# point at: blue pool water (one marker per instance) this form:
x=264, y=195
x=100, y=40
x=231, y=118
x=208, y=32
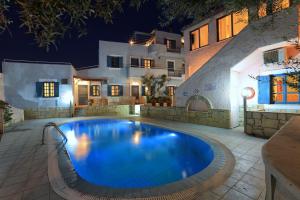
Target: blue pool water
x=126, y=154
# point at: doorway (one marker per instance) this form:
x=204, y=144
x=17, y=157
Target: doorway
x=135, y=91
x=83, y=95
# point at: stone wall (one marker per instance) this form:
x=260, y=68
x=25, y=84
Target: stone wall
x=214, y=117
x=119, y=110
x=44, y=113
x=266, y=124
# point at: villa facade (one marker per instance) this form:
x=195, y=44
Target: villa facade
x=116, y=80
x=225, y=54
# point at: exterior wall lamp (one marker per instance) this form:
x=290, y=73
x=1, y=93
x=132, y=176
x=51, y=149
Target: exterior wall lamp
x=247, y=93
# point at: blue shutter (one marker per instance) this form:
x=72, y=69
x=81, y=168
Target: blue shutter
x=264, y=89
x=109, y=61
x=142, y=62
x=143, y=90
x=109, y=90
x=152, y=63
x=120, y=62
x=56, y=89
x=91, y=90
x=39, y=89
x=120, y=90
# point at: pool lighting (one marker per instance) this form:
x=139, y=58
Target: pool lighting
x=172, y=135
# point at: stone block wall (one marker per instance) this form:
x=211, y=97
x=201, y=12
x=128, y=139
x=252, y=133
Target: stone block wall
x=266, y=124
x=119, y=110
x=214, y=117
x=44, y=113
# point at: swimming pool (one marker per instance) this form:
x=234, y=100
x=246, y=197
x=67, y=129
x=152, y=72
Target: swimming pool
x=126, y=154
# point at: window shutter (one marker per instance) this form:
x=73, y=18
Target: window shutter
x=39, y=89
x=152, y=63
x=264, y=89
x=109, y=90
x=165, y=41
x=143, y=90
x=143, y=62
x=109, y=58
x=91, y=90
x=56, y=89
x=120, y=90
x=120, y=62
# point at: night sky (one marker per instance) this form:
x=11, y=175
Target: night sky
x=83, y=51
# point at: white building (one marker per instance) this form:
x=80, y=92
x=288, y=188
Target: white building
x=116, y=80
x=224, y=55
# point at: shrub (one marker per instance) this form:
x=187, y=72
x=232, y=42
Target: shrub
x=6, y=111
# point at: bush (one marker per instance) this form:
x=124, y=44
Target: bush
x=7, y=111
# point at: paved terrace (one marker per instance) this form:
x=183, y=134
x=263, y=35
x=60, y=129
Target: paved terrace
x=23, y=162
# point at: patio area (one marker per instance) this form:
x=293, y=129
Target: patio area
x=24, y=162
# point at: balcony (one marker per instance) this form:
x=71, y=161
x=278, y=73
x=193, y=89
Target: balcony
x=172, y=50
x=139, y=71
x=176, y=73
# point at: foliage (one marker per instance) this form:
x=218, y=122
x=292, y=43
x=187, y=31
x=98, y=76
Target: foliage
x=154, y=85
x=50, y=20
x=7, y=111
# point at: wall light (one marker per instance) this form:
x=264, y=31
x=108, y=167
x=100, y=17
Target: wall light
x=248, y=92
x=131, y=42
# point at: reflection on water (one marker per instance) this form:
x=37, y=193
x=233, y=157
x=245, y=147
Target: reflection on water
x=80, y=145
x=136, y=137
x=123, y=154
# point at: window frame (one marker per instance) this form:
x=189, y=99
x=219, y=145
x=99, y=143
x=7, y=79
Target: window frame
x=198, y=29
x=171, y=40
x=285, y=87
x=148, y=59
x=174, y=62
x=49, y=89
x=136, y=66
x=173, y=90
x=115, y=57
x=92, y=90
x=118, y=90
x=232, y=26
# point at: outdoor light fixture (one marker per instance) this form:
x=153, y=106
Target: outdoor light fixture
x=247, y=93
x=131, y=42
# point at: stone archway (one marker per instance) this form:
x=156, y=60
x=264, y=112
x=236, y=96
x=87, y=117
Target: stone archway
x=198, y=103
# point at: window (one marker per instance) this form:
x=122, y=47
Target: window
x=232, y=24
x=275, y=56
x=115, y=61
x=224, y=28
x=115, y=90
x=95, y=90
x=240, y=21
x=134, y=62
x=199, y=37
x=204, y=36
x=171, y=44
x=280, y=5
x=47, y=89
x=277, y=6
x=171, y=65
x=147, y=63
x=277, y=89
x=171, y=90
x=195, y=44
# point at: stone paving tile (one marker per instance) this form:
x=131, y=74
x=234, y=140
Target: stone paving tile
x=25, y=157
x=249, y=190
x=235, y=195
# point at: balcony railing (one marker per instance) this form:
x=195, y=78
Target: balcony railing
x=176, y=50
x=176, y=73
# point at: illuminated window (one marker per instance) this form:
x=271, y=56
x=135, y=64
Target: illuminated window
x=171, y=90
x=224, y=27
x=95, y=90
x=199, y=37
x=262, y=10
x=115, y=90
x=48, y=89
x=195, y=44
x=285, y=89
x=280, y=4
x=240, y=21
x=204, y=36
x=277, y=6
x=147, y=63
x=232, y=24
